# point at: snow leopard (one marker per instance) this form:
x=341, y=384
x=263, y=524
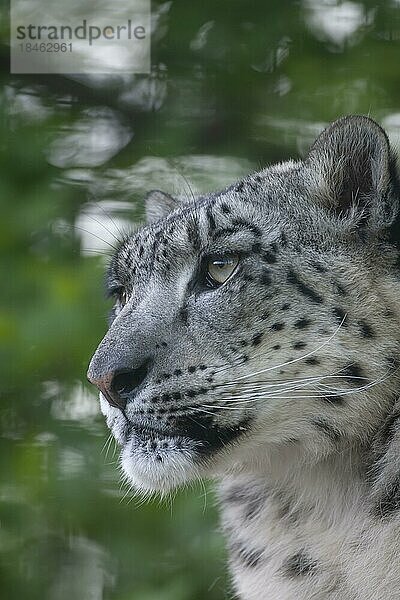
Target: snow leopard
x=255, y=341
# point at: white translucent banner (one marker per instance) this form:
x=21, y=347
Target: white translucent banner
x=80, y=36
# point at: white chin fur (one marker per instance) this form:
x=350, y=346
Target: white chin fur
x=158, y=465
x=114, y=419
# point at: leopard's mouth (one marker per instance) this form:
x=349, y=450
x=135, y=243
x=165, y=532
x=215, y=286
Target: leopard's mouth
x=203, y=435
x=157, y=439
x=158, y=458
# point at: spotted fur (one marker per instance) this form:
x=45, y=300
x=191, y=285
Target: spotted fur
x=281, y=383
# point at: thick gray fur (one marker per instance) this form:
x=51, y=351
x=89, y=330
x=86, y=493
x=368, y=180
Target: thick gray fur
x=281, y=384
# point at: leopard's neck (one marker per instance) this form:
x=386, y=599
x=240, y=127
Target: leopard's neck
x=301, y=530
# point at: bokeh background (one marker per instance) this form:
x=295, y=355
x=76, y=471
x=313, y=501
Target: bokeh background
x=235, y=84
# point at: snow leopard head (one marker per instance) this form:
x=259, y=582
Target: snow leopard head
x=256, y=317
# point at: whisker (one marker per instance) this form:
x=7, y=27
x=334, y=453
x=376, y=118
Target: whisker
x=294, y=360
x=177, y=170
x=100, y=252
x=250, y=397
x=121, y=234
x=239, y=360
x=89, y=216
x=283, y=381
x=77, y=227
x=106, y=446
x=272, y=382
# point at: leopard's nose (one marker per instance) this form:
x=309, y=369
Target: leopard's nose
x=105, y=383
x=117, y=385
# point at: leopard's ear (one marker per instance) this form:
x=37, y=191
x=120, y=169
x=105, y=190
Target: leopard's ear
x=354, y=171
x=158, y=205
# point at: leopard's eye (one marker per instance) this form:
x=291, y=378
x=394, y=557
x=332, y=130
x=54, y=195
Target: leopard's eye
x=119, y=294
x=122, y=297
x=220, y=268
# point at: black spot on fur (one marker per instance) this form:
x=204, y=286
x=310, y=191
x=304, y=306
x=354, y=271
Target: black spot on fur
x=225, y=208
x=284, y=503
x=265, y=278
x=210, y=219
x=252, y=185
x=312, y=360
x=234, y=495
x=299, y=564
x=239, y=187
x=303, y=288
x=183, y=313
x=191, y=369
x=333, y=399
x=299, y=345
x=340, y=288
x=277, y=326
x=242, y=223
x=177, y=372
x=340, y=315
x=285, y=306
x=256, y=248
x=355, y=375
x=389, y=503
x=327, y=428
x=302, y=323
x=392, y=362
x=288, y=507
x=193, y=235
x=252, y=500
x=366, y=329
x=276, y=347
x=390, y=427
x=268, y=257
x=249, y=557
x=256, y=339
x=283, y=240
x=318, y=267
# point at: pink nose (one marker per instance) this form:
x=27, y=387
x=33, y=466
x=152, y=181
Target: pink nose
x=106, y=385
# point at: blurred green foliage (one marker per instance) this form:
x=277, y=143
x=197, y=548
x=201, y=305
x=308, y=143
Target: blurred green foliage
x=234, y=85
